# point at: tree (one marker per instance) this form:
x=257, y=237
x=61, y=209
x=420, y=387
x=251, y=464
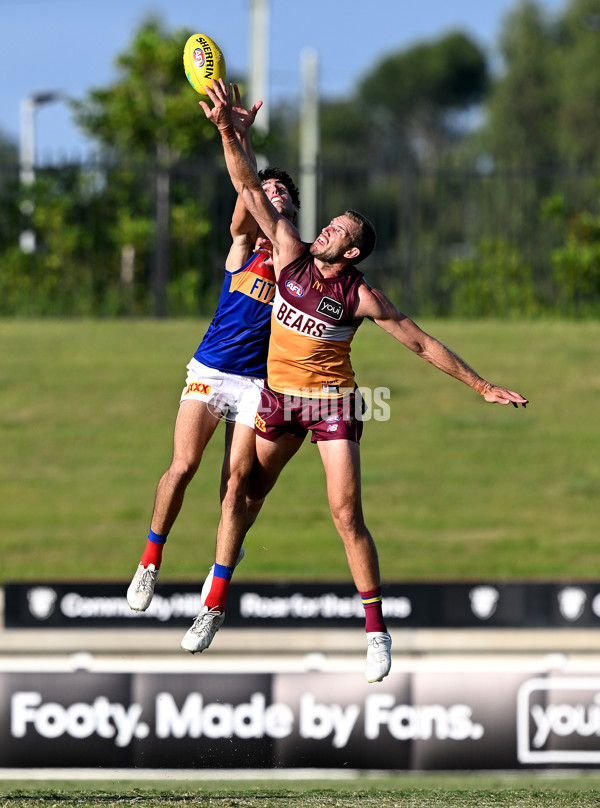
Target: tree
x=412, y=96
x=578, y=81
x=8, y=189
x=523, y=102
x=404, y=112
x=151, y=112
x=8, y=151
x=543, y=109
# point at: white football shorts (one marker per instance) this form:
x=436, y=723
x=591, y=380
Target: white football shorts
x=228, y=395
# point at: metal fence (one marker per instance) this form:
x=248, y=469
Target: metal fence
x=131, y=239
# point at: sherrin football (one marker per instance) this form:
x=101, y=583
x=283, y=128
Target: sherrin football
x=203, y=61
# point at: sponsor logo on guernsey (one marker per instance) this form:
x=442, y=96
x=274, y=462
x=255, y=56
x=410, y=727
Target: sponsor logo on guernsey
x=294, y=288
x=255, y=284
x=197, y=387
x=330, y=308
x=333, y=418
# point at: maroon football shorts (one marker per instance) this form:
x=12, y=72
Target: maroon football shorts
x=326, y=418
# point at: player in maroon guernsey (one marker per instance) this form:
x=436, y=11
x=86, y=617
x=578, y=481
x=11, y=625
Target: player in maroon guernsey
x=320, y=301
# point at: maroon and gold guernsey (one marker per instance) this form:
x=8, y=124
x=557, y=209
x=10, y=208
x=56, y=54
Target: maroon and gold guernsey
x=312, y=327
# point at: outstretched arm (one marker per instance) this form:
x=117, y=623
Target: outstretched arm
x=244, y=229
x=284, y=237
x=375, y=305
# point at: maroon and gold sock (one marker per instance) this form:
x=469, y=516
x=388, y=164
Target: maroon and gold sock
x=373, y=611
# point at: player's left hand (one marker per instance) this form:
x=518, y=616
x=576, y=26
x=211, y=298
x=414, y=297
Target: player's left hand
x=500, y=395
x=243, y=118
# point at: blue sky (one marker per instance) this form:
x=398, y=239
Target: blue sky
x=71, y=45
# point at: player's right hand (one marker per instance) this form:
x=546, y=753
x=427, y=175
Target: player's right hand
x=265, y=248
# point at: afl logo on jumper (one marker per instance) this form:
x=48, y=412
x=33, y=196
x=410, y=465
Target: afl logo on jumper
x=331, y=308
x=294, y=288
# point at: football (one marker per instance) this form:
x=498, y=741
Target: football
x=203, y=61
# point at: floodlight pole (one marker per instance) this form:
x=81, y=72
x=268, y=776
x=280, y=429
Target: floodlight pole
x=309, y=145
x=258, y=83
x=29, y=106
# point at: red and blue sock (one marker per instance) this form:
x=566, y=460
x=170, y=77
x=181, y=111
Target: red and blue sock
x=373, y=611
x=219, y=588
x=154, y=550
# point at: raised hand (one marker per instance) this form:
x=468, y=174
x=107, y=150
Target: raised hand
x=265, y=248
x=243, y=118
x=221, y=113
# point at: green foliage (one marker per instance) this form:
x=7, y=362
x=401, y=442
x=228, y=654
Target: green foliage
x=95, y=241
x=146, y=231
x=403, y=111
x=577, y=76
x=542, y=110
x=57, y=276
x=524, y=102
x=447, y=74
x=150, y=109
x=576, y=262
x=449, y=242
x=345, y=129
x=151, y=114
x=407, y=98
x=494, y=281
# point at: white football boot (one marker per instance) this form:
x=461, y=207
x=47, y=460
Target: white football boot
x=141, y=588
x=209, y=621
x=203, y=630
x=379, y=656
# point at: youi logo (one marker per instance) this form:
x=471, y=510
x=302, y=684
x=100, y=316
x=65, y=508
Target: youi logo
x=294, y=288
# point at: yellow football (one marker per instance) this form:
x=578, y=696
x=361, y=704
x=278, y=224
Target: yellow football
x=203, y=61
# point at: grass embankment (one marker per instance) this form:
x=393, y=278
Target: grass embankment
x=453, y=488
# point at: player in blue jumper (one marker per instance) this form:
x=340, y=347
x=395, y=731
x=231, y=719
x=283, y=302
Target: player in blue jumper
x=224, y=381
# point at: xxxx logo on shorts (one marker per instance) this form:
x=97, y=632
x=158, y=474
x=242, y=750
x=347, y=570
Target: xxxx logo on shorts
x=259, y=423
x=197, y=387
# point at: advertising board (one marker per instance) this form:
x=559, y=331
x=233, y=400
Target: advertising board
x=417, y=719
x=309, y=605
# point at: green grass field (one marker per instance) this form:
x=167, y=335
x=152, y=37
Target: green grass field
x=437, y=791
x=453, y=488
